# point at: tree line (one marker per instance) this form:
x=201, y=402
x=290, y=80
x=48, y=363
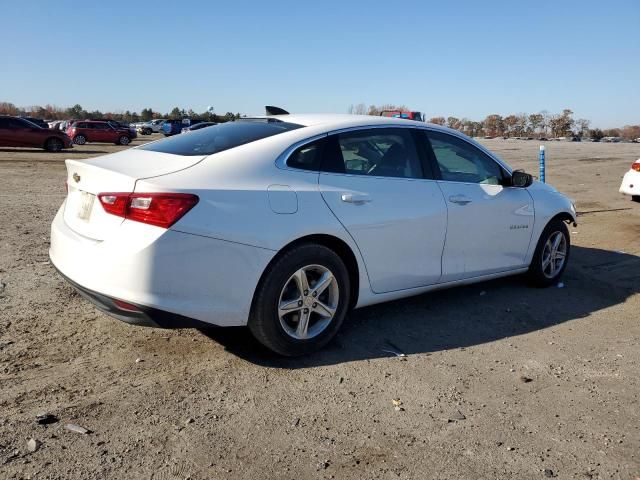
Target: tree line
x=51, y=112
x=542, y=124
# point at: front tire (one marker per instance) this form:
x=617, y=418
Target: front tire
x=53, y=145
x=124, y=140
x=551, y=255
x=80, y=140
x=301, y=301
x=635, y=198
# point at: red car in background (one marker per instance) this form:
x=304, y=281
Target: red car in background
x=97, y=131
x=417, y=116
x=18, y=132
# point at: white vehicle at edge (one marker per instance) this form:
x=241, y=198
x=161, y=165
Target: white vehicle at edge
x=285, y=223
x=631, y=182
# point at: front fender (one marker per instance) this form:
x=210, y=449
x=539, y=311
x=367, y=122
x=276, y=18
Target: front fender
x=548, y=203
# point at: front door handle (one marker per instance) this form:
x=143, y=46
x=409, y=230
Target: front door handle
x=355, y=199
x=459, y=199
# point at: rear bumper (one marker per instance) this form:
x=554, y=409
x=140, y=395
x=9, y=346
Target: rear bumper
x=173, y=278
x=144, y=316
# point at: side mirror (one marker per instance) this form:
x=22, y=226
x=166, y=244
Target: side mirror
x=521, y=179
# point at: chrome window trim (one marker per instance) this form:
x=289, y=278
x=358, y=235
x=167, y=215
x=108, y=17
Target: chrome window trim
x=281, y=160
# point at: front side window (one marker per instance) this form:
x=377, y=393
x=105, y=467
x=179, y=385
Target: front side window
x=460, y=161
x=377, y=152
x=217, y=138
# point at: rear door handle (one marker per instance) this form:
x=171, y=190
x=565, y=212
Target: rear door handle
x=459, y=199
x=355, y=199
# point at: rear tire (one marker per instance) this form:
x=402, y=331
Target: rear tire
x=551, y=255
x=79, y=139
x=296, y=313
x=635, y=198
x=53, y=145
x=124, y=140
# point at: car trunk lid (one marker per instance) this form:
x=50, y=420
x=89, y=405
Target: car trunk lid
x=117, y=172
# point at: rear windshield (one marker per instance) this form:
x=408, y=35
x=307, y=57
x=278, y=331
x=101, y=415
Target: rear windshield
x=217, y=138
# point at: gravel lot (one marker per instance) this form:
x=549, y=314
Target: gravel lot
x=500, y=380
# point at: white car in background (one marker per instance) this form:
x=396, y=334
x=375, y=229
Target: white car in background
x=152, y=126
x=284, y=223
x=631, y=182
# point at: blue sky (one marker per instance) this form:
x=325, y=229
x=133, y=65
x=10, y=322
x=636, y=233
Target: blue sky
x=462, y=58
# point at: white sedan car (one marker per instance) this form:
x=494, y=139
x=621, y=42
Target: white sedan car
x=287, y=222
x=631, y=182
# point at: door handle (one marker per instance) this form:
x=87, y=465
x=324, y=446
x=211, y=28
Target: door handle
x=459, y=199
x=355, y=199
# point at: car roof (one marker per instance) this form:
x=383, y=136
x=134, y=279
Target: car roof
x=321, y=123
x=346, y=120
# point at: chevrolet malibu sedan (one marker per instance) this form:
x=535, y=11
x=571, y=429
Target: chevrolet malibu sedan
x=286, y=223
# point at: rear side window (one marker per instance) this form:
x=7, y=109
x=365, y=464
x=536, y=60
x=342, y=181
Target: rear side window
x=218, y=138
x=377, y=152
x=307, y=157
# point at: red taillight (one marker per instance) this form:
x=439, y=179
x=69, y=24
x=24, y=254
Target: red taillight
x=636, y=166
x=159, y=209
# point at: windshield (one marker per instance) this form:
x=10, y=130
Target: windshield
x=217, y=138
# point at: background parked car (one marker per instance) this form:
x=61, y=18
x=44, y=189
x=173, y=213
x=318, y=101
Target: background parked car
x=18, y=132
x=100, y=131
x=197, y=126
x=175, y=126
x=38, y=121
x=115, y=124
x=153, y=126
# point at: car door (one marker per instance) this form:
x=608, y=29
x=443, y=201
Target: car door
x=101, y=132
x=490, y=224
x=23, y=133
x=373, y=181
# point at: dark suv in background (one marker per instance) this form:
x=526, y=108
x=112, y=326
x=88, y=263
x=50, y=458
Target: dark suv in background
x=85, y=131
x=175, y=126
x=18, y=132
x=38, y=121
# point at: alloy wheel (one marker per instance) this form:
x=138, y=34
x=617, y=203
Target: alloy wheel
x=308, y=302
x=554, y=254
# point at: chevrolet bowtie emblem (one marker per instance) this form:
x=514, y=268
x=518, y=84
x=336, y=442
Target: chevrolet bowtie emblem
x=76, y=177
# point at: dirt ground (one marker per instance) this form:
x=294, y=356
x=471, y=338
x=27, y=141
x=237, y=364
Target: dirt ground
x=500, y=380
